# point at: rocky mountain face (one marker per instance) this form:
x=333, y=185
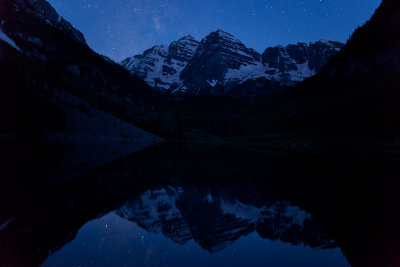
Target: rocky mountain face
x=43, y=10
x=51, y=81
x=357, y=93
x=161, y=66
x=220, y=62
x=220, y=219
x=296, y=62
x=218, y=53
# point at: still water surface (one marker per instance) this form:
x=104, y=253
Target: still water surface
x=197, y=205
x=114, y=241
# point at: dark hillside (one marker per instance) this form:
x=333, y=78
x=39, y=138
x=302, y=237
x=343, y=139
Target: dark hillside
x=358, y=92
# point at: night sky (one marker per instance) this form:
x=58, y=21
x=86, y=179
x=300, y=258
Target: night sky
x=122, y=28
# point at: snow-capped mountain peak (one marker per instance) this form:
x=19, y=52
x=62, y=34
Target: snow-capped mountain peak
x=161, y=66
x=184, y=48
x=223, y=36
x=220, y=62
x=148, y=65
x=187, y=37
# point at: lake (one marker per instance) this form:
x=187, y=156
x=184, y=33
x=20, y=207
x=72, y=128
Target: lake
x=196, y=204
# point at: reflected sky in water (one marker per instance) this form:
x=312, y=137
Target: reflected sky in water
x=112, y=240
x=198, y=205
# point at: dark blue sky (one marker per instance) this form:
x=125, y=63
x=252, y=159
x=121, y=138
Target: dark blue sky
x=122, y=28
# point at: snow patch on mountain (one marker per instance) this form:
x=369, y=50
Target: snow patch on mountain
x=298, y=215
x=212, y=83
x=152, y=207
x=255, y=214
x=326, y=41
x=246, y=72
x=4, y=37
x=241, y=211
x=220, y=58
x=149, y=65
x=161, y=66
x=303, y=71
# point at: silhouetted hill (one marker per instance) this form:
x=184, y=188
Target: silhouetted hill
x=49, y=77
x=51, y=81
x=357, y=93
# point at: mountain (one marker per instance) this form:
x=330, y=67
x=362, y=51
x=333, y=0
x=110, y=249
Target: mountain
x=54, y=85
x=161, y=66
x=209, y=69
x=220, y=62
x=354, y=98
x=216, y=220
x=357, y=94
x=52, y=82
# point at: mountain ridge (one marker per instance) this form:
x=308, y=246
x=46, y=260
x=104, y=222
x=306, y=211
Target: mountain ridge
x=224, y=218
x=220, y=62
x=53, y=83
x=355, y=97
x=354, y=94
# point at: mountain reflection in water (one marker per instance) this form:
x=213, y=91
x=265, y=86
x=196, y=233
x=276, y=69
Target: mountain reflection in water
x=215, y=220
x=173, y=204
